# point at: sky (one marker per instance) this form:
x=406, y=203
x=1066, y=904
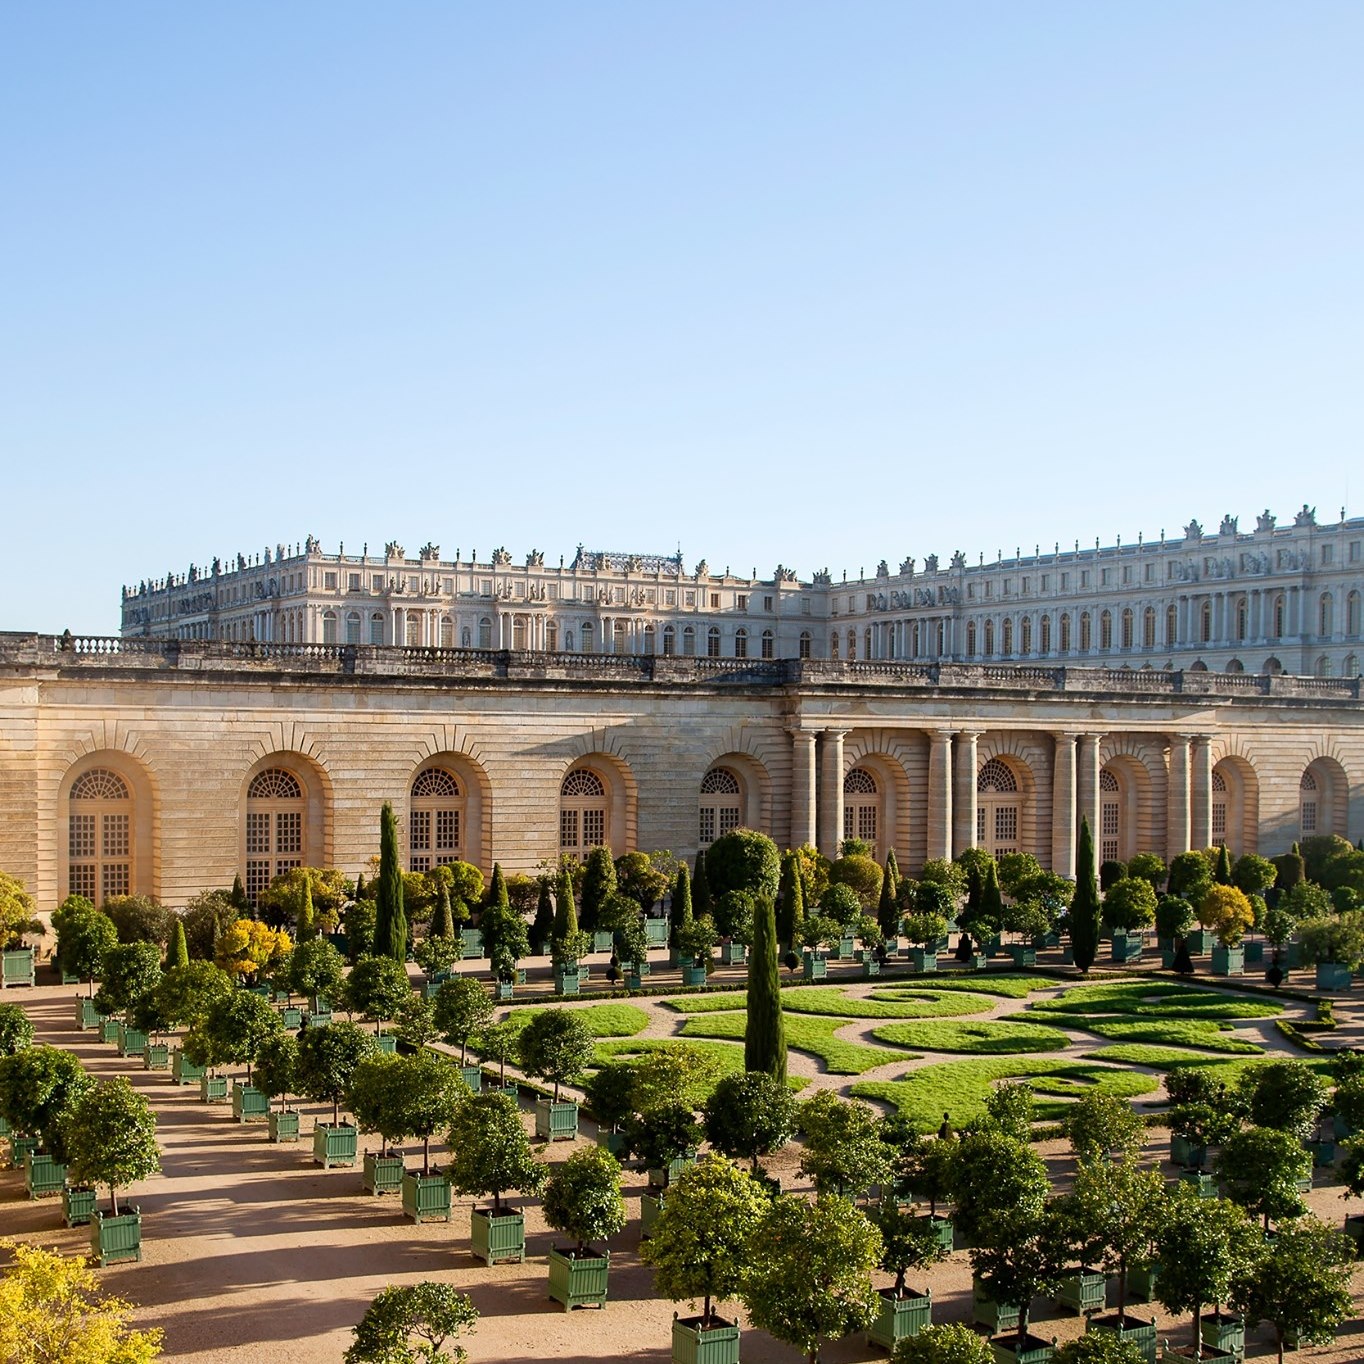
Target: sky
x=810, y=284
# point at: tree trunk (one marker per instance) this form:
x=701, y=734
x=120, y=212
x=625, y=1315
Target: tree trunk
x=1122, y=1292
x=426, y=1154
x=1197, y=1331
x=336, y=1112
x=113, y=1200
x=705, y=1321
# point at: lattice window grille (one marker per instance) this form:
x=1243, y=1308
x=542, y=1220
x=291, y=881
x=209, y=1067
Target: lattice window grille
x=859, y=782
x=1308, y=782
x=1108, y=782
x=116, y=836
x=82, y=880
x=419, y=835
x=706, y=831
x=288, y=833
x=99, y=784
x=718, y=782
x=1219, y=783
x=996, y=776
x=594, y=828
x=114, y=879
x=447, y=829
x=434, y=782
x=81, y=837
x=274, y=784
x=729, y=818
x=258, y=833
x=568, y=829
x=583, y=783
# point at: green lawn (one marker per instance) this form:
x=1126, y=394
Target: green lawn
x=1011, y=986
x=985, y=1039
x=729, y=1058
x=1155, y=999
x=603, y=1020
x=1158, y=1058
x=803, y=1033
x=960, y=1088
x=830, y=1001
x=1209, y=1034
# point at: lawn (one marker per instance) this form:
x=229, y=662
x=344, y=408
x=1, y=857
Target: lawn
x=1011, y=986
x=729, y=1059
x=1209, y=1034
x=985, y=1039
x=603, y=1020
x=1155, y=999
x=1157, y=1058
x=803, y=1033
x=830, y=1001
x=960, y=1088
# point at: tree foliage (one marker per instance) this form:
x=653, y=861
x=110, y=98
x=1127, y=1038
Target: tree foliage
x=750, y=1115
x=950, y=1343
x=84, y=936
x=995, y=1175
x=490, y=1152
x=390, y=922
x=139, y=918
x=907, y=1242
x=316, y=969
x=131, y=971
x=1100, y=1125
x=765, y=1031
x=249, y=948
x=1084, y=908
x=1115, y=1210
x=231, y=1031
x=583, y=1199
x=743, y=859
x=463, y=1007
x=843, y=1152
x=327, y=1057
x=111, y=1138
x=16, y=1029
x=410, y=1324
x=39, y=1088
x=1260, y=1168
x=377, y=988
x=185, y=994
x=555, y=1046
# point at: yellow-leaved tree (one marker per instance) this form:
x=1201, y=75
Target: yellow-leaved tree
x=1227, y=911
x=249, y=948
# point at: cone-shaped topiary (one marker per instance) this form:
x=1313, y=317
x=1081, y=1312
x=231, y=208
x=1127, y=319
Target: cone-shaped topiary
x=599, y=884
x=681, y=913
x=390, y=921
x=179, y=953
x=700, y=886
x=765, y=1033
x=790, y=901
x=1085, y=908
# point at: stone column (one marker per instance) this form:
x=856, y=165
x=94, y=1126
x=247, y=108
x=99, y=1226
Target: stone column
x=1200, y=792
x=940, y=794
x=1087, y=785
x=1178, y=828
x=1064, y=819
x=964, y=764
x=831, y=792
x=803, y=787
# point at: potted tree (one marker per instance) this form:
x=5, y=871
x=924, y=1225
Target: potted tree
x=907, y=1242
x=841, y=905
x=748, y=1116
x=1227, y=913
x=411, y=1322
x=497, y=1044
x=610, y=1092
x=490, y=1154
x=843, y=1153
x=1264, y=1170
x=568, y=943
x=464, y=1007
x=375, y=1096
x=809, y=1272
x=632, y=947
x=698, y=1250
x=231, y=1033
x=695, y=937
x=111, y=1141
x=377, y=988
x=507, y=942
x=39, y=1086
x=130, y=971
x=555, y=1046
x=923, y=930
x=1334, y=946
x=817, y=933
x=583, y=1200
x=872, y=952
x=925, y=1167
x=277, y=1077
x=183, y=996
x=1129, y=907
x=430, y=1089
x=664, y=1137
x=316, y=970
x=84, y=935
x=327, y=1057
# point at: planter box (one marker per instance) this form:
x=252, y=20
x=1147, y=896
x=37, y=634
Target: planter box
x=717, y=1343
x=556, y=1120
x=472, y=940
x=5, y=1128
x=156, y=1056
x=1323, y=1153
x=1354, y=1229
x=43, y=1176
x=116, y=1238
x=292, y=1017
x=1224, y=1333
x=67, y=977
x=942, y=1227
x=633, y=980
x=473, y=1077
x=870, y=966
x=20, y=1148
x=282, y=1127
x=1140, y=1334
x=1228, y=961
x=78, y=1206
x=693, y=974
x=1331, y=975
x=1125, y=949
x=650, y=1205
x=17, y=968
x=999, y=1317
x=388, y=1044
x=1023, y=954
x=578, y=1282
x=382, y=1174
x=1184, y=1152
x=1142, y=1282
x=426, y=1198
x=987, y=947
x=1084, y=1291
x=567, y=982
x=318, y=1017
x=87, y=1016
x=1208, y=1356
x=816, y=967
x=899, y=1318
x=660, y=1179
x=656, y=932
x=846, y=949
x=923, y=959
x=249, y=1104
x=1199, y=1180
x=612, y=1141
x=502, y=989
x=333, y=1145
x=183, y=1070
x=1255, y=952
x=1200, y=941
x=213, y=1089
x=603, y=940
x=108, y=1029
x=733, y=953
x=130, y=1040
x=498, y=1238
x=1032, y=1350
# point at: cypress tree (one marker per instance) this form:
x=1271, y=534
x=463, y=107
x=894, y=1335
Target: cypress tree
x=543, y=924
x=565, y=911
x=179, y=953
x=681, y=912
x=360, y=886
x=1222, y=871
x=887, y=915
x=765, y=1033
x=991, y=902
x=497, y=892
x=390, y=921
x=700, y=886
x=791, y=898
x=599, y=884
x=238, y=895
x=1084, y=908
x=443, y=920
x=307, y=916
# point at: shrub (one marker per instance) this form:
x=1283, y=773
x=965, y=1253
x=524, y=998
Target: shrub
x=743, y=859
x=432, y=1312
x=582, y=1197
x=862, y=874
x=555, y=1046
x=1129, y=905
x=1334, y=940
x=139, y=918
x=948, y=1344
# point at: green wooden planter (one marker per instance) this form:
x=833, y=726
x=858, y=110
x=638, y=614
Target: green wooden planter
x=632, y=980
x=942, y=1227
x=717, y=1343
x=67, y=977
x=17, y=968
x=20, y=1148
x=1354, y=1229
x=113, y=1239
x=656, y=932
x=660, y=1178
x=388, y=1044
x=1186, y=1153
x=249, y=1104
x=292, y=1017
x=1032, y=1350
x=899, y=1318
x=1124, y=949
x=426, y=1198
x=1224, y=1332
x=650, y=1205
x=1323, y=1153
x=1255, y=952
x=1340, y=1128
x=613, y=1141
x=977, y=961
x=1200, y=941
x=985, y=1311
x=871, y=966
x=1142, y=1281
x=4, y=1127
x=846, y=949
x=1134, y=1332
x=183, y=1070
x=87, y=1016
x=156, y=1056
x=43, y=1176
x=382, y=1174
x=816, y=966
x=567, y=982
x=692, y=974
x=1199, y=1180
x=319, y=1016
x=580, y=1281
x=735, y=953
x=556, y=1120
x=988, y=947
x=334, y=1145
x=78, y=1205
x=1023, y=954
x=282, y=1126
x=923, y=959
x=130, y=1040
x=1228, y=961
x=498, y=1238
x=108, y=1030
x=213, y=1089
x=1083, y=1292
x=1331, y=975
x=502, y=989
x=473, y=1077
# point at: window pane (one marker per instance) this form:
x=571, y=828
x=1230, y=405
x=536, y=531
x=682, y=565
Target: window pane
x=729, y=818
x=115, y=879
x=115, y=835
x=568, y=829
x=447, y=829
x=707, y=827
x=83, y=880
x=258, y=833
x=81, y=837
x=594, y=828
x=289, y=831
x=420, y=837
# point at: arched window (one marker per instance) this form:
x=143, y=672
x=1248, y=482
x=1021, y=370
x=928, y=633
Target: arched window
x=1242, y=618
x=376, y=627
x=551, y=636
x=721, y=804
x=1085, y=632
x=1105, y=630
x=689, y=641
x=1352, y=614
x=1325, y=616
x=583, y=811
x=1044, y=630
x=713, y=642
x=989, y=639
x=1350, y=668
x=833, y=644
x=1205, y=622
x=485, y=633
x=275, y=828
x=1025, y=635
x=1236, y=666
x=861, y=806
x=1323, y=666
x=805, y=642
x=1219, y=808
x=997, y=808
x=1171, y=626
x=1148, y=628
x=1273, y=667
x=1065, y=632
x=741, y=643
x=866, y=644
x=329, y=627
x=1110, y=817
x=1277, y=617
x=852, y=646
x=412, y=629
x=1006, y=634
x=650, y=638
x=352, y=627
x=99, y=833
x=1307, y=805
x=587, y=634
x=519, y=633
x=447, y=632
x=970, y=640
x=769, y=644
x=619, y=644
x=669, y=641
x=1128, y=624
x=436, y=828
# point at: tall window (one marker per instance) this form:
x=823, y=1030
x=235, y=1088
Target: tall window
x=1044, y=629
x=485, y=634
x=970, y=639
x=586, y=634
x=713, y=642
x=669, y=641
x=412, y=629
x=1025, y=635
x=1007, y=637
x=436, y=824
x=275, y=809
x=1105, y=630
x=989, y=639
x=99, y=836
x=650, y=638
x=618, y=641
x=741, y=643
x=329, y=627
x=1148, y=628
x=1128, y=625
x=769, y=644
x=997, y=808
x=688, y=641
x=1307, y=805
x=1065, y=632
x=1110, y=817
x=551, y=636
x=1325, y=616
x=1277, y=615
x=1352, y=615
x=805, y=644
x=1219, y=808
x=519, y=633
x=1171, y=626
x=352, y=627
x=721, y=801
x=1084, y=632
x=582, y=813
x=1242, y=618
x=376, y=628
x=861, y=806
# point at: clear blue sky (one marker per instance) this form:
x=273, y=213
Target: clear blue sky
x=809, y=283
